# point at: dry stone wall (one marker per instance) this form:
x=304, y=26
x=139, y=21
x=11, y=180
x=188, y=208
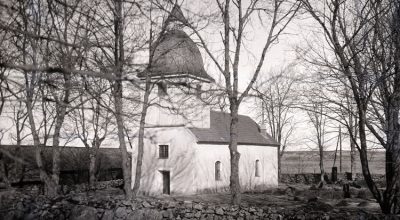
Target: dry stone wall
x=83, y=207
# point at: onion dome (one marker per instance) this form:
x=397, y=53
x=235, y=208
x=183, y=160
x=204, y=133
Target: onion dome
x=175, y=54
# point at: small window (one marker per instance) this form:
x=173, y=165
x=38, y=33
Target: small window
x=162, y=89
x=198, y=91
x=257, y=168
x=163, y=151
x=218, y=170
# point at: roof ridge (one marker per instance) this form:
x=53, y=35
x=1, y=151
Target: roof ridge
x=219, y=132
x=229, y=114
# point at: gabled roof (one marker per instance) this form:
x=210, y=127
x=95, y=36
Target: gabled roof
x=218, y=133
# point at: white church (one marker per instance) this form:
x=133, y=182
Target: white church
x=186, y=142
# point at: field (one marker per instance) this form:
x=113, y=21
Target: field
x=294, y=162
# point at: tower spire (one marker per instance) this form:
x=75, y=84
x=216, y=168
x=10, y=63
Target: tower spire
x=176, y=16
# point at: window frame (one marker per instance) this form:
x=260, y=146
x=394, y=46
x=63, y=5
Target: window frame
x=217, y=170
x=162, y=154
x=257, y=168
x=162, y=88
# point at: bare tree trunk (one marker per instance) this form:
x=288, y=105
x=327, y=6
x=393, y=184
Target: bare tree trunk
x=61, y=109
x=353, y=130
x=4, y=171
x=92, y=167
x=364, y=157
x=279, y=162
x=139, y=160
x=29, y=93
x=117, y=93
x=235, y=156
x=392, y=157
x=340, y=149
x=19, y=167
x=126, y=160
x=50, y=185
x=321, y=166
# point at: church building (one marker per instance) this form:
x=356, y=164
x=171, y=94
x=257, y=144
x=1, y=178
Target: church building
x=186, y=142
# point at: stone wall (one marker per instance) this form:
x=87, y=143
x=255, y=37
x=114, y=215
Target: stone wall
x=87, y=208
x=85, y=187
x=36, y=188
x=314, y=178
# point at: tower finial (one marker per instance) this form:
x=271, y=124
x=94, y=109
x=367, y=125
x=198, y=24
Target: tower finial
x=176, y=15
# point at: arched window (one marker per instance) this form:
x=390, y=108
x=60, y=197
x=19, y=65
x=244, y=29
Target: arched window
x=162, y=89
x=257, y=168
x=218, y=170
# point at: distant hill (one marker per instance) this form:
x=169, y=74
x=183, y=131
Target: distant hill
x=308, y=162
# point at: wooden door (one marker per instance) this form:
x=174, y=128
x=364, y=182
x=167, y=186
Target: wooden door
x=166, y=182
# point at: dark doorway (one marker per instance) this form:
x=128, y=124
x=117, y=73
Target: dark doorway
x=166, y=182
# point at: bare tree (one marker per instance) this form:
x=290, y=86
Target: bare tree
x=277, y=104
x=116, y=45
x=364, y=39
x=3, y=165
x=318, y=120
x=92, y=122
x=235, y=20
x=48, y=33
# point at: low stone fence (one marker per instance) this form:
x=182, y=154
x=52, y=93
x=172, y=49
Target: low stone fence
x=314, y=178
x=80, y=207
x=37, y=187
x=84, y=187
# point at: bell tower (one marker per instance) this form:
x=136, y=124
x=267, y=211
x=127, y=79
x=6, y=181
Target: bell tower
x=178, y=75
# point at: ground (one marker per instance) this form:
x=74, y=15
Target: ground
x=295, y=196
x=285, y=202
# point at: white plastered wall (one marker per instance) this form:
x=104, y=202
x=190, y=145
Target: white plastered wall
x=180, y=107
x=179, y=163
x=207, y=155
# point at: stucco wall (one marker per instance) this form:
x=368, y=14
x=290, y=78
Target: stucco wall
x=179, y=163
x=192, y=166
x=181, y=106
x=207, y=155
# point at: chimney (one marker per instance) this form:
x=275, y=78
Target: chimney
x=263, y=130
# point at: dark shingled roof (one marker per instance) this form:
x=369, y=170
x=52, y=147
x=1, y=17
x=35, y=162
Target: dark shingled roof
x=176, y=56
x=176, y=15
x=218, y=133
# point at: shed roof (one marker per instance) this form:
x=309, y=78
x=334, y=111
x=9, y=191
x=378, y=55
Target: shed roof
x=249, y=132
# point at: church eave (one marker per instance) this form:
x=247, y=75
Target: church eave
x=239, y=143
x=177, y=76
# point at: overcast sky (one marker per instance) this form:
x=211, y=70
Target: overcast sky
x=298, y=34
